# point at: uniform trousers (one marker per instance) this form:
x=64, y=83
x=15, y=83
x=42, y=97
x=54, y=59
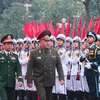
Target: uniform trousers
x=44, y=93
x=7, y=93
x=93, y=85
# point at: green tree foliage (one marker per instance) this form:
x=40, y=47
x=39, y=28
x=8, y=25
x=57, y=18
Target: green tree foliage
x=13, y=20
x=56, y=10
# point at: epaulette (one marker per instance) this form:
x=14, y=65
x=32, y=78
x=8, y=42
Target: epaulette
x=97, y=51
x=50, y=51
x=97, y=46
x=12, y=52
x=2, y=52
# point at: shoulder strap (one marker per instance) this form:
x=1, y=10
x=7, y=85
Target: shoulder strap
x=95, y=52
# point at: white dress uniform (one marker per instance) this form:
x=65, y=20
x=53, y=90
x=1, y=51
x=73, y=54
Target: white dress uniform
x=75, y=70
x=68, y=64
x=58, y=88
x=85, y=87
x=23, y=59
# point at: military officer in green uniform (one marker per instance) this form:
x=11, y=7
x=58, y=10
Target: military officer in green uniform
x=9, y=68
x=41, y=66
x=91, y=58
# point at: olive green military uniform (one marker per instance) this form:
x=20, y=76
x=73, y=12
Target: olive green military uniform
x=42, y=64
x=9, y=65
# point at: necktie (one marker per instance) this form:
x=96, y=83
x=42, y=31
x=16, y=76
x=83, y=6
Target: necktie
x=8, y=54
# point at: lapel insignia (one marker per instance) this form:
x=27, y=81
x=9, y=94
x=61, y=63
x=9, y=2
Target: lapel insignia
x=39, y=51
x=2, y=52
x=2, y=58
x=38, y=57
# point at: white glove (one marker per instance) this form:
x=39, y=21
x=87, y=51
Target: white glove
x=88, y=66
x=85, y=53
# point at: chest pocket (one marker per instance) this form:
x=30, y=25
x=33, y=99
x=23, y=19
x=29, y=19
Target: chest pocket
x=91, y=55
x=2, y=61
x=13, y=61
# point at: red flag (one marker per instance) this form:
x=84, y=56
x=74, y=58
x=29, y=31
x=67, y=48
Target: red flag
x=51, y=29
x=28, y=30
x=33, y=24
x=42, y=28
x=97, y=25
x=37, y=30
x=90, y=24
x=33, y=31
x=62, y=29
x=68, y=28
x=84, y=30
x=74, y=29
x=45, y=25
x=79, y=26
x=57, y=30
x=25, y=30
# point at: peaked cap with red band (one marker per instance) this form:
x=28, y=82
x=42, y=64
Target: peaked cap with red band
x=44, y=35
x=7, y=38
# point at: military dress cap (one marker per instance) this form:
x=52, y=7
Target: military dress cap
x=20, y=41
x=93, y=34
x=78, y=39
x=27, y=39
x=44, y=35
x=34, y=40
x=52, y=38
x=98, y=37
x=14, y=41
x=61, y=36
x=7, y=38
x=69, y=39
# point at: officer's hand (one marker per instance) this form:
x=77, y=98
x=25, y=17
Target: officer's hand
x=88, y=66
x=29, y=85
x=61, y=82
x=86, y=52
x=20, y=84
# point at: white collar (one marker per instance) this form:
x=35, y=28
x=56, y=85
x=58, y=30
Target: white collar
x=6, y=52
x=91, y=45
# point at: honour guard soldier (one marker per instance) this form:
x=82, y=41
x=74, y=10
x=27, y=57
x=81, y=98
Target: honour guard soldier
x=85, y=89
x=35, y=43
x=41, y=66
x=75, y=68
x=9, y=65
x=91, y=58
x=52, y=41
x=23, y=58
x=98, y=45
x=60, y=90
x=69, y=42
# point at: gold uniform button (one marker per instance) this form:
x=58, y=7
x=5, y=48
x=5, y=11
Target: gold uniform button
x=8, y=74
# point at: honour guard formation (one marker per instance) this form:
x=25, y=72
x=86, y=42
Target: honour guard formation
x=50, y=67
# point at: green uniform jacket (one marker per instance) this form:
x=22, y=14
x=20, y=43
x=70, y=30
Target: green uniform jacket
x=8, y=67
x=41, y=67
